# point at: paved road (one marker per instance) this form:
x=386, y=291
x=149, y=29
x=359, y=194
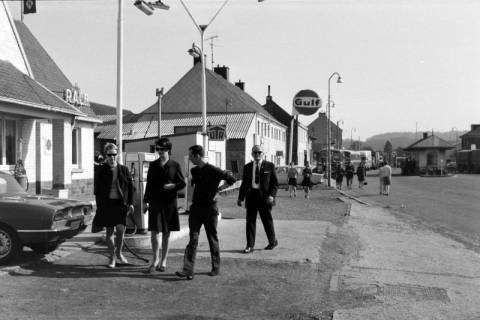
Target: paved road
x=449, y=205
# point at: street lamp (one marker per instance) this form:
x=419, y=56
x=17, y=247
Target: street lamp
x=329, y=156
x=351, y=136
x=196, y=51
x=147, y=8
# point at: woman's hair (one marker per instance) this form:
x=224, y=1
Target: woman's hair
x=110, y=146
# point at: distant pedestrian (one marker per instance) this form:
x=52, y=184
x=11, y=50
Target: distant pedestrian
x=349, y=173
x=340, y=172
x=292, y=175
x=164, y=180
x=307, y=179
x=387, y=178
x=381, y=174
x=361, y=174
x=114, y=198
x=258, y=189
x=203, y=211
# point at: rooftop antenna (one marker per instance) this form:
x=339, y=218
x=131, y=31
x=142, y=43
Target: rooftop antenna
x=211, y=46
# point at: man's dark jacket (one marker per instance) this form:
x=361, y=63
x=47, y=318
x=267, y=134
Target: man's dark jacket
x=268, y=184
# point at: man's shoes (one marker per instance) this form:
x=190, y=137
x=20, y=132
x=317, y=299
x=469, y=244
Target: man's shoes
x=214, y=272
x=248, y=250
x=151, y=269
x=183, y=274
x=161, y=268
x=271, y=245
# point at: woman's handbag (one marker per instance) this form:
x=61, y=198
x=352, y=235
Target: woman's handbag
x=95, y=225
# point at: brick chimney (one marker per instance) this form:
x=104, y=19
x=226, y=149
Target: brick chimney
x=269, y=97
x=223, y=71
x=425, y=135
x=474, y=126
x=240, y=84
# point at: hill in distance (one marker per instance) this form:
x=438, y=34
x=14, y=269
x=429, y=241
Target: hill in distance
x=403, y=139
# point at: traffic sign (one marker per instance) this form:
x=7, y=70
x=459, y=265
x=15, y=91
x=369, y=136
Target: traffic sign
x=306, y=102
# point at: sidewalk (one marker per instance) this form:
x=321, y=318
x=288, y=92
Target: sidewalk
x=402, y=272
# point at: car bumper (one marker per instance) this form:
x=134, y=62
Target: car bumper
x=58, y=234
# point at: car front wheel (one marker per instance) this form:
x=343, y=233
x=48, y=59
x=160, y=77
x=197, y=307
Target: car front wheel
x=10, y=245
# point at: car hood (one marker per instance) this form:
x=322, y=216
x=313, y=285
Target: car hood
x=42, y=200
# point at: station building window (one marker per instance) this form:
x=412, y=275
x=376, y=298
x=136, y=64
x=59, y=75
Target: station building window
x=76, y=143
x=8, y=138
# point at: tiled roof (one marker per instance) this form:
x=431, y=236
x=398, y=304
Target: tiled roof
x=146, y=126
x=430, y=142
x=44, y=68
x=185, y=96
x=108, y=113
x=22, y=89
x=472, y=134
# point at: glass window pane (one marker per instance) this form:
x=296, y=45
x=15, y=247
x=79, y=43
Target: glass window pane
x=10, y=138
x=74, y=146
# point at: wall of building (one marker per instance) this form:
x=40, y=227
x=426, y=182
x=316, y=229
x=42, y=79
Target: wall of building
x=44, y=155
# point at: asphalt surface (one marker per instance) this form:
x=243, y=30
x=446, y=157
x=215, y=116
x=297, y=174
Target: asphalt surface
x=289, y=282
x=448, y=205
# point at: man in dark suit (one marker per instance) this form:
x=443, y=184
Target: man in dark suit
x=258, y=189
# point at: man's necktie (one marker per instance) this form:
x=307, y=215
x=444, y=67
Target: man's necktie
x=257, y=174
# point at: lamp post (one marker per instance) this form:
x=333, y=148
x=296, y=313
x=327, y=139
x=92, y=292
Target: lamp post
x=329, y=156
x=159, y=94
x=351, y=136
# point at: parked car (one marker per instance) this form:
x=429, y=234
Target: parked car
x=36, y=221
x=283, y=180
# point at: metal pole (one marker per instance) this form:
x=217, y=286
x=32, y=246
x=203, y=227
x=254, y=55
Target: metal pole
x=328, y=135
x=120, y=80
x=204, y=100
x=159, y=94
x=290, y=147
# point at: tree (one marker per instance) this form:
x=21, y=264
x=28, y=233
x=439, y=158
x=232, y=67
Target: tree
x=387, y=150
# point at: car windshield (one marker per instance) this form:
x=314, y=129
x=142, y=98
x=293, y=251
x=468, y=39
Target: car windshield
x=8, y=185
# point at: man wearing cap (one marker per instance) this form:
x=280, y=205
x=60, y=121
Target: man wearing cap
x=258, y=189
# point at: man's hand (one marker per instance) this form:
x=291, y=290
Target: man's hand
x=270, y=200
x=169, y=186
x=239, y=203
x=145, y=207
x=131, y=209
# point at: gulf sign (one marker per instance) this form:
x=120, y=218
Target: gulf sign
x=307, y=102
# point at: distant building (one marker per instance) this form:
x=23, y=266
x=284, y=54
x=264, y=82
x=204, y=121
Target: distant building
x=471, y=139
x=429, y=153
x=318, y=131
x=301, y=146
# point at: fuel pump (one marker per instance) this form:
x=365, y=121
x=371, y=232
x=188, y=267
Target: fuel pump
x=138, y=163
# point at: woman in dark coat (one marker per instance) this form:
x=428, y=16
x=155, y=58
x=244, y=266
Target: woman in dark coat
x=361, y=174
x=307, y=179
x=114, y=198
x=164, y=180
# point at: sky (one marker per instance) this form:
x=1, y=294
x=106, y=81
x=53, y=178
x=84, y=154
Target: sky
x=407, y=65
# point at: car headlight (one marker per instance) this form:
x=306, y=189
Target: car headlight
x=60, y=215
x=87, y=211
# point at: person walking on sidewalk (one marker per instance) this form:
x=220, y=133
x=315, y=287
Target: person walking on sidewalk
x=361, y=174
x=339, y=176
x=349, y=172
x=164, y=180
x=381, y=174
x=258, y=189
x=307, y=179
x=292, y=175
x=387, y=178
x=203, y=211
x=114, y=198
